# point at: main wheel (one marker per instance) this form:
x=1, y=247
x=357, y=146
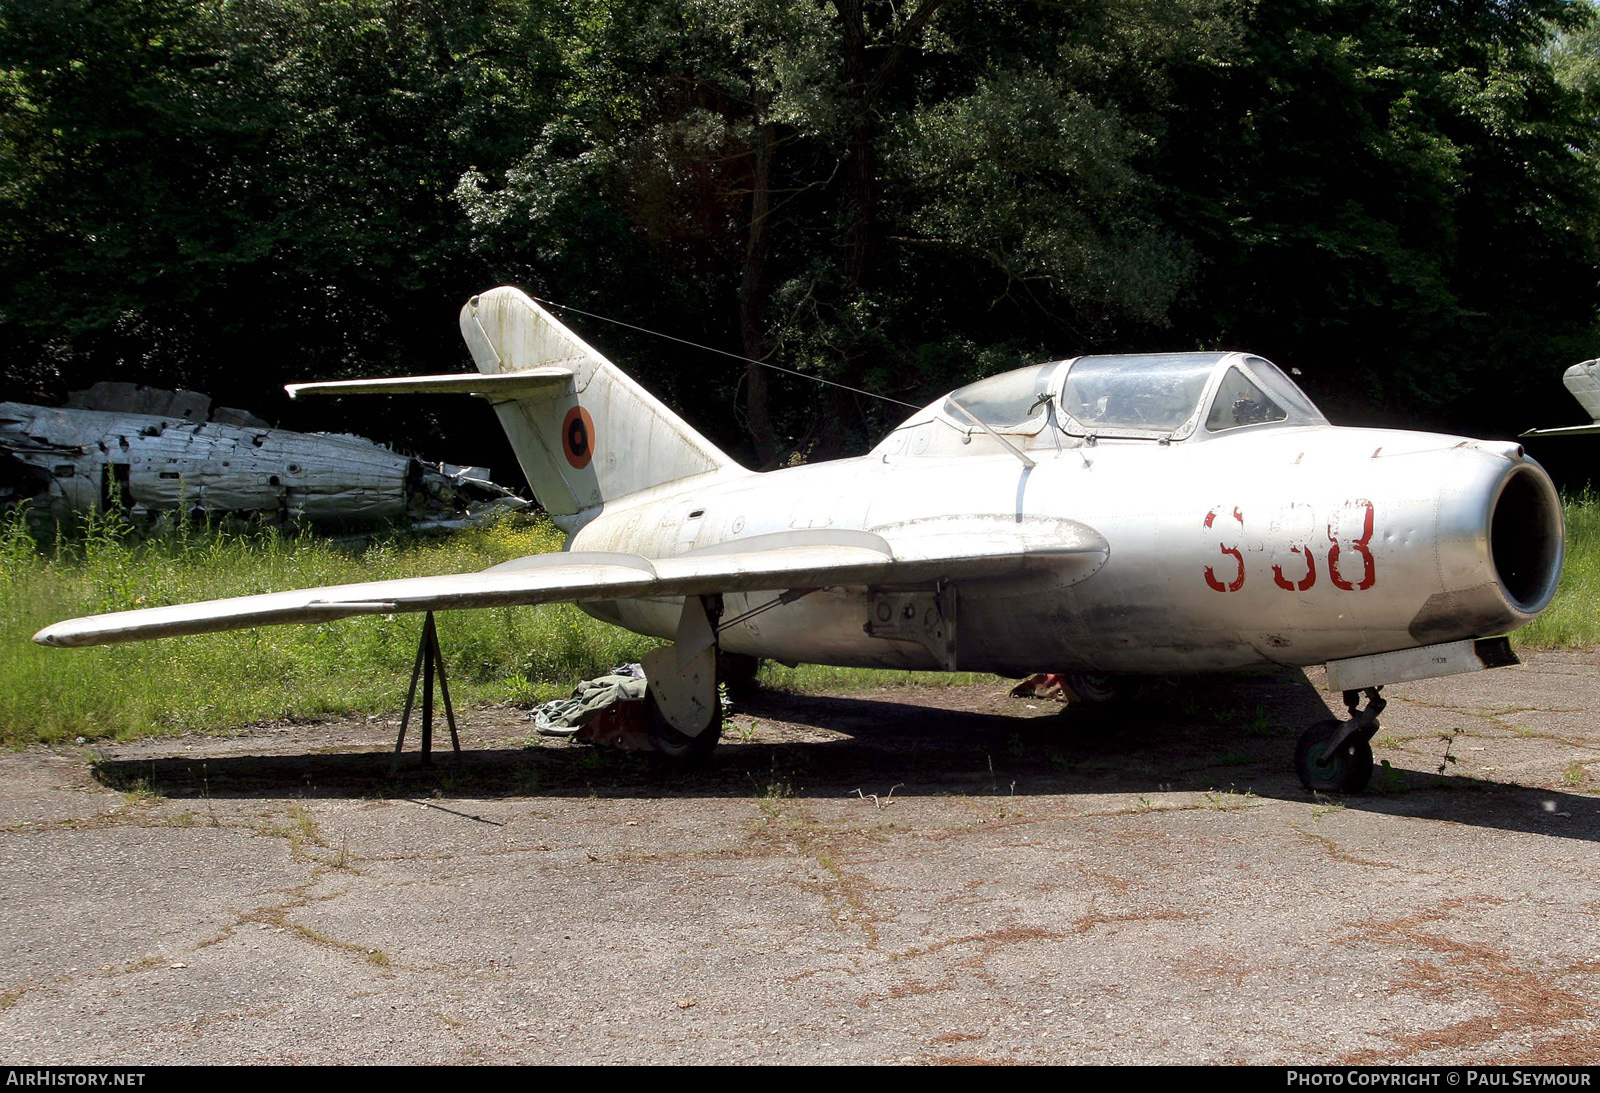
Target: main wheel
x=1345, y=769
x=676, y=744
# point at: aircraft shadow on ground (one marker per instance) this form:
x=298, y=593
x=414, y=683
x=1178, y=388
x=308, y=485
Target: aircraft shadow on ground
x=1222, y=738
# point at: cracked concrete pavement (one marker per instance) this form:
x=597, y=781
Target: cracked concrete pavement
x=1142, y=883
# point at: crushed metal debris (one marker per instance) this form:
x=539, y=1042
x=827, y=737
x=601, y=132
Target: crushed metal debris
x=148, y=451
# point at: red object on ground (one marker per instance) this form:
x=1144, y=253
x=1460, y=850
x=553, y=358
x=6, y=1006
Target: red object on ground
x=620, y=725
x=1046, y=685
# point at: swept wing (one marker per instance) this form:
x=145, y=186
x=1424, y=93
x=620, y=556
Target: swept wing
x=924, y=552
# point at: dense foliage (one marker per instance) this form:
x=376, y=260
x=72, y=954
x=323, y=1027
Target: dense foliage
x=1399, y=197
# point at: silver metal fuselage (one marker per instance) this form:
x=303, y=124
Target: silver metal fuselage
x=1274, y=546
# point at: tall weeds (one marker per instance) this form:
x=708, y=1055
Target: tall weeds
x=220, y=680
x=1573, y=620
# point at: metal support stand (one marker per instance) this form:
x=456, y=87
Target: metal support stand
x=428, y=658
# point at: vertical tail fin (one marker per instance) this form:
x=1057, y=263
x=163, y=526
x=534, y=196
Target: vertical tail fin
x=587, y=441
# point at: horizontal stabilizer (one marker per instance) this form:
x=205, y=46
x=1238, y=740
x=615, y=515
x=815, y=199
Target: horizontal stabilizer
x=550, y=379
x=792, y=560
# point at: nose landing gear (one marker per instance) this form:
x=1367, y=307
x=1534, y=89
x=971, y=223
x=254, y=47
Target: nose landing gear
x=1336, y=756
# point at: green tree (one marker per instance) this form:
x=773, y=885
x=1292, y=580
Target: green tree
x=1391, y=195
x=125, y=127
x=896, y=198
x=1399, y=196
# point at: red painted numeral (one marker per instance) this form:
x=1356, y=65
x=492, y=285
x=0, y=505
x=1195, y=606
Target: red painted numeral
x=1238, y=558
x=1369, y=568
x=1304, y=582
x=1341, y=545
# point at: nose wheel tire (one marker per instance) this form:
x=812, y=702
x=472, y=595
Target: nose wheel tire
x=1346, y=768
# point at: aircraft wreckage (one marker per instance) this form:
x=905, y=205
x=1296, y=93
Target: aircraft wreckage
x=148, y=451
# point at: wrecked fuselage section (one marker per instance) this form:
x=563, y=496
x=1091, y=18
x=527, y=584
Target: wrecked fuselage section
x=186, y=458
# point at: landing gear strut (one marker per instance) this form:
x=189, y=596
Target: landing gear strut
x=1336, y=756
x=683, y=710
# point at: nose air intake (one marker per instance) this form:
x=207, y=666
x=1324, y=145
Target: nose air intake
x=1526, y=538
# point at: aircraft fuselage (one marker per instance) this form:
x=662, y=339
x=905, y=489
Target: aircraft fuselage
x=1287, y=546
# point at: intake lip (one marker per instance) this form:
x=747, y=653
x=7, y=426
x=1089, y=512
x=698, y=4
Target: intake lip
x=1526, y=538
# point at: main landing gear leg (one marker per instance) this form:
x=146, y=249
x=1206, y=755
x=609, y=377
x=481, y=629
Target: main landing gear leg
x=682, y=706
x=1336, y=756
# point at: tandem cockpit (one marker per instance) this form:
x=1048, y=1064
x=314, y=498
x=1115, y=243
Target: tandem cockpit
x=1162, y=397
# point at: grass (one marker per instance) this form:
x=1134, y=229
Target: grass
x=819, y=678
x=1573, y=620
x=219, y=681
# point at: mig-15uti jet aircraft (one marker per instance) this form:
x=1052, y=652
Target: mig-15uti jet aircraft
x=1104, y=515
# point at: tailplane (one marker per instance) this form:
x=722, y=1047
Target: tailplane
x=584, y=433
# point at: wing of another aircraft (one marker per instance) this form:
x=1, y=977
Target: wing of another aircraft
x=1583, y=381
x=1566, y=430
x=926, y=551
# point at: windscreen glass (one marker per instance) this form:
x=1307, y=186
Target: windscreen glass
x=1149, y=393
x=1284, y=391
x=1011, y=398
x=1238, y=402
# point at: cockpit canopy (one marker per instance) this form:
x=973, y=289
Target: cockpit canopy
x=1164, y=396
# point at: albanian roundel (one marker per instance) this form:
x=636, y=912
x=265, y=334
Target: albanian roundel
x=577, y=437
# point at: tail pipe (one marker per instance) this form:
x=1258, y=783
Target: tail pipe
x=1500, y=540
x=1527, y=539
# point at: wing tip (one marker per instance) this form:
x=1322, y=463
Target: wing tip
x=55, y=636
